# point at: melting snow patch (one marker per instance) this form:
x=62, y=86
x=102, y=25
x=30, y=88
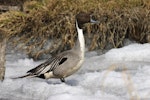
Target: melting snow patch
x=120, y=74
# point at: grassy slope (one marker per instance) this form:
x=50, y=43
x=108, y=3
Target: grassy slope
x=46, y=20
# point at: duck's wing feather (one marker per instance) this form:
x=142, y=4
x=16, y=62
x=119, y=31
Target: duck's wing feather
x=49, y=65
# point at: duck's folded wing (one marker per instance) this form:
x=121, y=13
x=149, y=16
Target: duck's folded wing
x=49, y=65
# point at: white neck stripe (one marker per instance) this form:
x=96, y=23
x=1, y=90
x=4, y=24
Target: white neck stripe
x=80, y=38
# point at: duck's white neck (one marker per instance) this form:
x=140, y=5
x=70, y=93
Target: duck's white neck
x=80, y=45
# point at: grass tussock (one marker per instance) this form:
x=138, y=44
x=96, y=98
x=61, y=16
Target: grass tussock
x=47, y=26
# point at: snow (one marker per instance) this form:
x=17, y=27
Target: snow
x=119, y=74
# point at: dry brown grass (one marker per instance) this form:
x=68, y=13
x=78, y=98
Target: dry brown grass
x=53, y=20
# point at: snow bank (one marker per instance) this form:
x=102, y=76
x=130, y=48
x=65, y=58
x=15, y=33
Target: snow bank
x=120, y=74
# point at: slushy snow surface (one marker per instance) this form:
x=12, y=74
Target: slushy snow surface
x=119, y=74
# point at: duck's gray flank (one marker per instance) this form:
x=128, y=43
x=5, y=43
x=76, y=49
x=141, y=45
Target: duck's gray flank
x=66, y=63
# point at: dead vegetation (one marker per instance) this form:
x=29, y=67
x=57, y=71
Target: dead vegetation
x=46, y=26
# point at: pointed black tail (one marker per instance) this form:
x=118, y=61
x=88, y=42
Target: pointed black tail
x=28, y=75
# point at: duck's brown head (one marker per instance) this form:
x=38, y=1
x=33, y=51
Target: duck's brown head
x=83, y=18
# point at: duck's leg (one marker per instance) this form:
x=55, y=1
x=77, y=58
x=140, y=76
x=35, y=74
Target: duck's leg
x=62, y=79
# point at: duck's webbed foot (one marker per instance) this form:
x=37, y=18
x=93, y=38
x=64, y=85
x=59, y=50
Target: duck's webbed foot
x=62, y=79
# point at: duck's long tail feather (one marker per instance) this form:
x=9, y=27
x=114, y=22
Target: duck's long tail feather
x=24, y=76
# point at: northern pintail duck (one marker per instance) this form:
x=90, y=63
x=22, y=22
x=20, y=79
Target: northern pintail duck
x=68, y=62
